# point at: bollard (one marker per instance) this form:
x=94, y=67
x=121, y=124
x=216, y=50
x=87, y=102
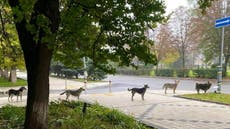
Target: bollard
x=65, y=83
x=109, y=86
x=85, y=85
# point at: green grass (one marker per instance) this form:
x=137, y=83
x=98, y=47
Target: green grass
x=6, y=83
x=68, y=115
x=212, y=97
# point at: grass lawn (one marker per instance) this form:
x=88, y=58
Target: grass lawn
x=6, y=83
x=68, y=115
x=213, y=97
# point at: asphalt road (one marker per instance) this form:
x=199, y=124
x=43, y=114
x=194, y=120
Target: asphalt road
x=122, y=83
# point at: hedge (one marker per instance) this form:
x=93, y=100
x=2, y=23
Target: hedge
x=197, y=73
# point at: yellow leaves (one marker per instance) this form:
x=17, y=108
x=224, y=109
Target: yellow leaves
x=170, y=57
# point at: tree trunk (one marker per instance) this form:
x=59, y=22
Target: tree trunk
x=37, y=57
x=13, y=75
x=38, y=88
x=5, y=73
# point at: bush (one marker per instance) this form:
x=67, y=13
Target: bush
x=205, y=73
x=11, y=117
x=198, y=73
x=68, y=115
x=69, y=73
x=152, y=73
x=133, y=71
x=165, y=72
x=191, y=74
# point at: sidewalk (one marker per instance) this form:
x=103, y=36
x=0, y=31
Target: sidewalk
x=165, y=111
x=157, y=110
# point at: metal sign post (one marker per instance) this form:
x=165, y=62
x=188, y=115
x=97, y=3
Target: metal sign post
x=221, y=23
x=220, y=67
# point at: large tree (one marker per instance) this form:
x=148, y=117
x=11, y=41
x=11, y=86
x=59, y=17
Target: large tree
x=35, y=22
x=99, y=30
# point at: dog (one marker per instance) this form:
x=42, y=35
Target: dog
x=12, y=92
x=75, y=93
x=139, y=91
x=203, y=86
x=171, y=86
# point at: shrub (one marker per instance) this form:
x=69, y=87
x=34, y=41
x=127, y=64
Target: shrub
x=68, y=115
x=152, y=73
x=199, y=73
x=206, y=73
x=69, y=73
x=132, y=71
x=11, y=117
x=165, y=72
x=191, y=74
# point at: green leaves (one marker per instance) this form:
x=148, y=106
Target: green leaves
x=99, y=30
x=109, y=30
x=10, y=51
x=204, y=4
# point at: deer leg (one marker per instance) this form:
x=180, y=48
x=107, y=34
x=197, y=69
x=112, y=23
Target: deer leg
x=142, y=96
x=132, y=96
x=67, y=97
x=11, y=98
x=198, y=91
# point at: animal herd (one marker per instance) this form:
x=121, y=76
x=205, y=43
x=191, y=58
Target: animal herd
x=173, y=86
x=141, y=91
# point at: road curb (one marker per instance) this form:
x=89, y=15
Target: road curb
x=201, y=100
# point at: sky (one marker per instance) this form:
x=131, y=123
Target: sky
x=173, y=4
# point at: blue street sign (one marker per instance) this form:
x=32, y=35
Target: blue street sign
x=222, y=22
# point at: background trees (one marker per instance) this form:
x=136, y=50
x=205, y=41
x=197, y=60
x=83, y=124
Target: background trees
x=11, y=57
x=193, y=35
x=177, y=39
x=210, y=39
x=183, y=34
x=166, y=53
